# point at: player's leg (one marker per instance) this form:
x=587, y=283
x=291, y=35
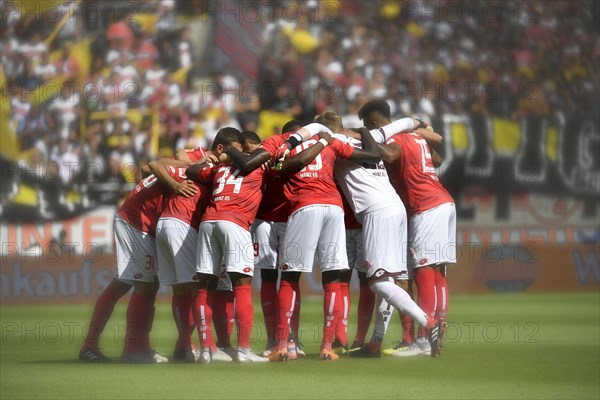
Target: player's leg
x=341, y=331
x=103, y=309
x=223, y=321
x=286, y=301
x=333, y=260
x=366, y=304
x=441, y=287
x=332, y=312
x=238, y=258
x=209, y=257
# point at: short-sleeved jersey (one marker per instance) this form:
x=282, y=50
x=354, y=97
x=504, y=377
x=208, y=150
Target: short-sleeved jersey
x=143, y=205
x=365, y=186
x=274, y=206
x=314, y=184
x=235, y=197
x=187, y=209
x=413, y=175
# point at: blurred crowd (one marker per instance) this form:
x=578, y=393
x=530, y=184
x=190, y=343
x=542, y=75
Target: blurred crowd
x=142, y=95
x=504, y=58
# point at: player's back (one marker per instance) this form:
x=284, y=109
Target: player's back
x=413, y=175
x=366, y=186
x=314, y=184
x=235, y=196
x=274, y=206
x=143, y=205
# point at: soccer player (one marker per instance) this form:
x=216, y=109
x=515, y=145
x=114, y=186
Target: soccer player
x=224, y=239
x=432, y=217
x=134, y=229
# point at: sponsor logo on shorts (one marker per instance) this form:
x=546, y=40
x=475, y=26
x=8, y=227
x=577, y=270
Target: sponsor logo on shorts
x=247, y=269
x=285, y=267
x=138, y=276
x=423, y=261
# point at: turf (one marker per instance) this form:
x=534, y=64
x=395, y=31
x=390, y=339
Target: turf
x=497, y=347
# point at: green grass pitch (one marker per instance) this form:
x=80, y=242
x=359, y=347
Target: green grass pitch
x=497, y=347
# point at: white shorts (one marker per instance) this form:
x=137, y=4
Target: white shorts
x=176, y=251
x=224, y=246
x=384, y=235
x=267, y=238
x=432, y=236
x=355, y=249
x=135, y=252
x=315, y=234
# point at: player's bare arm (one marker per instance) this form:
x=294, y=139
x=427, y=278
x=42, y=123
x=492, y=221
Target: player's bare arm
x=432, y=138
x=159, y=168
x=247, y=163
x=390, y=152
x=296, y=163
x=370, y=152
x=436, y=159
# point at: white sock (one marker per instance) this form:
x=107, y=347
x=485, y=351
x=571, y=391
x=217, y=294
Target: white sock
x=383, y=314
x=400, y=300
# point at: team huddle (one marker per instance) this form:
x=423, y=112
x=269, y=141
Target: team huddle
x=316, y=196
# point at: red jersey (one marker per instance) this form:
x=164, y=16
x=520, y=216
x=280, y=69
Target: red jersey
x=274, y=206
x=235, y=197
x=187, y=209
x=413, y=175
x=314, y=184
x=271, y=144
x=144, y=204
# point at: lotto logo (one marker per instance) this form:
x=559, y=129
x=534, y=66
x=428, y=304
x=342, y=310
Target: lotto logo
x=285, y=267
x=247, y=269
x=423, y=261
x=137, y=276
x=289, y=314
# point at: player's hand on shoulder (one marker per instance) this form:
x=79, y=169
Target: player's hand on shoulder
x=326, y=136
x=185, y=188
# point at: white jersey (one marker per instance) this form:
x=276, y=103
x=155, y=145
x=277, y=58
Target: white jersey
x=366, y=186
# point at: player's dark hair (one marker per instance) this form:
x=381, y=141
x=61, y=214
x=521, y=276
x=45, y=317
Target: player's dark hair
x=291, y=126
x=376, y=105
x=250, y=137
x=226, y=136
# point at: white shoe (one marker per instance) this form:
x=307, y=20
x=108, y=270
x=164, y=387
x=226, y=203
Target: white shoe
x=221, y=355
x=230, y=351
x=205, y=356
x=192, y=356
x=158, y=358
x=248, y=356
x=420, y=347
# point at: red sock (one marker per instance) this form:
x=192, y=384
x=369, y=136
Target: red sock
x=181, y=308
x=332, y=310
x=244, y=314
x=144, y=343
x=230, y=313
x=425, y=280
x=268, y=301
x=102, y=312
x=203, y=317
x=441, y=287
x=221, y=316
x=138, y=312
x=341, y=330
x=295, y=320
x=366, y=304
x=286, y=300
x=408, y=328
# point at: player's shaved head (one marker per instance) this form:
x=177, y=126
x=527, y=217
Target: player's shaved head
x=379, y=106
x=291, y=126
x=330, y=119
x=226, y=136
